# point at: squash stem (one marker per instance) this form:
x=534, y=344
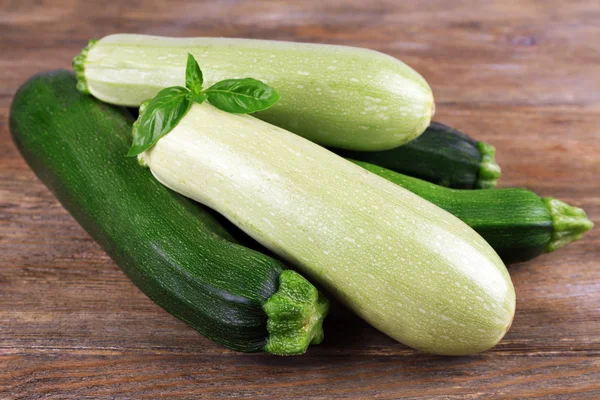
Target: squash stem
x=295, y=315
x=489, y=170
x=79, y=67
x=569, y=223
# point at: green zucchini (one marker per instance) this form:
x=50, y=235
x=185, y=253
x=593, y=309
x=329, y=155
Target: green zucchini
x=172, y=249
x=337, y=96
x=442, y=155
x=516, y=222
x=411, y=269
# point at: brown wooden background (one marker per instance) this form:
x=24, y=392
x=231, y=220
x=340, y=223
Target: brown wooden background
x=523, y=75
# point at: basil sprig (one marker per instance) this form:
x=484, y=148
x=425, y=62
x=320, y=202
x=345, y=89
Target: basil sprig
x=161, y=114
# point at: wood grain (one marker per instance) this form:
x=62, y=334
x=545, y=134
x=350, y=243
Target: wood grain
x=523, y=75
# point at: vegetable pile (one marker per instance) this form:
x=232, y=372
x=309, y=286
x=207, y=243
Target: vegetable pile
x=422, y=263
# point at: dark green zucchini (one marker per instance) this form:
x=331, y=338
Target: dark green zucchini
x=441, y=155
x=171, y=248
x=517, y=223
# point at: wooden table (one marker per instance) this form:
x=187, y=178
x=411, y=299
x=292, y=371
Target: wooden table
x=522, y=75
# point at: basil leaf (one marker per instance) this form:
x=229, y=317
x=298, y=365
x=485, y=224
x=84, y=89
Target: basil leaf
x=161, y=114
x=193, y=75
x=241, y=96
x=159, y=117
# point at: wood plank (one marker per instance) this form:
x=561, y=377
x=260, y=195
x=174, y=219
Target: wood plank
x=122, y=375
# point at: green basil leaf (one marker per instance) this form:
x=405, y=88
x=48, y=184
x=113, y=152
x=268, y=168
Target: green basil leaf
x=193, y=75
x=159, y=117
x=241, y=96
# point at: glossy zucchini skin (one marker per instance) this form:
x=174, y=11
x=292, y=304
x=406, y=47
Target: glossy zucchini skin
x=338, y=96
x=441, y=155
x=170, y=247
x=517, y=223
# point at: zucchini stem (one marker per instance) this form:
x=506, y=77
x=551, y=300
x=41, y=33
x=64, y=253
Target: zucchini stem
x=79, y=67
x=569, y=222
x=489, y=170
x=295, y=315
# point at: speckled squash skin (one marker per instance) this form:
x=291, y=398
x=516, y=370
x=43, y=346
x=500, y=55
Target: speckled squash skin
x=337, y=96
x=409, y=268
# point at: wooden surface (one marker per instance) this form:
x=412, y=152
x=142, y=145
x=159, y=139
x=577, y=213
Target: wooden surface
x=522, y=75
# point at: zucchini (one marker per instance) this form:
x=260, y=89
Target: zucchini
x=411, y=269
x=516, y=222
x=442, y=155
x=173, y=250
x=337, y=96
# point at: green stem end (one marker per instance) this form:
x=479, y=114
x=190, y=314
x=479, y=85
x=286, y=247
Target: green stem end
x=79, y=67
x=569, y=222
x=295, y=316
x=489, y=170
